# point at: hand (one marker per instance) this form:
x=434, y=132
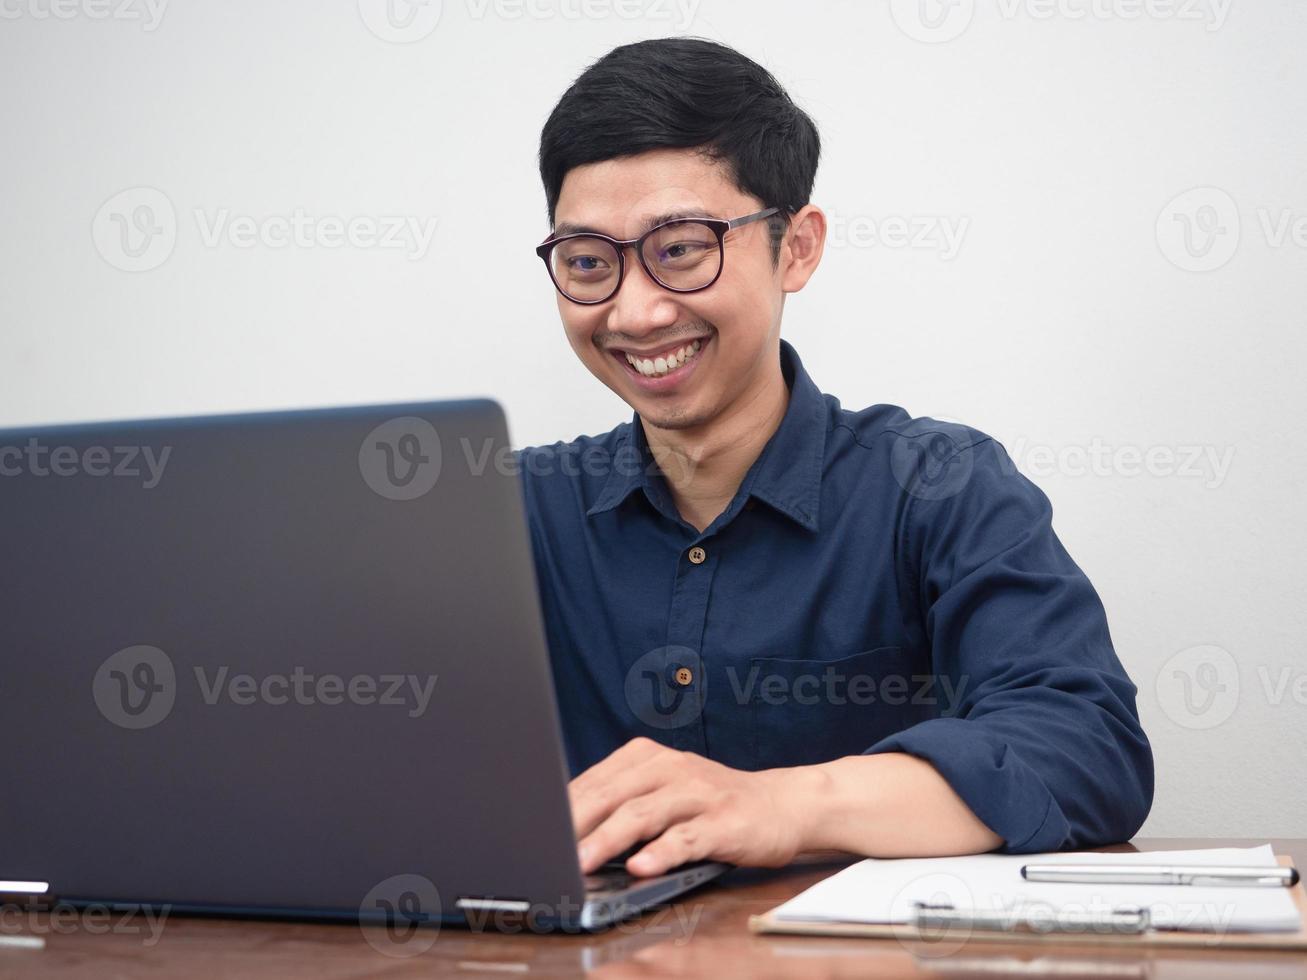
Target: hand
x=689, y=809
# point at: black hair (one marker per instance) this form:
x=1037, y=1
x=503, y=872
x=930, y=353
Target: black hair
x=686, y=93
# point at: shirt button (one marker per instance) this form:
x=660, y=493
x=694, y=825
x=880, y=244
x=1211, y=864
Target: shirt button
x=698, y=555
x=684, y=676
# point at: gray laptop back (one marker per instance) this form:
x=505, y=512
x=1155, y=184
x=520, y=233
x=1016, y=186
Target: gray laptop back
x=284, y=663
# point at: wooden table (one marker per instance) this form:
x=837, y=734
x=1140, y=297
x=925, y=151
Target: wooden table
x=705, y=934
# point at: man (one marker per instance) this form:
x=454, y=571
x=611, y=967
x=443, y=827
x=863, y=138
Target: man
x=778, y=625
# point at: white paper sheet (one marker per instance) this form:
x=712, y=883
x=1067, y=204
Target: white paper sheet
x=886, y=890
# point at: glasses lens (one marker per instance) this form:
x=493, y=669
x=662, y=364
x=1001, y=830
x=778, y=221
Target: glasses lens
x=585, y=268
x=684, y=254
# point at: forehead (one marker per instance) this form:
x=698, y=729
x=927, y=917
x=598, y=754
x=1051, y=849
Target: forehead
x=624, y=196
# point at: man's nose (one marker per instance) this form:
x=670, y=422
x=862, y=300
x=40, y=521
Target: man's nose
x=641, y=305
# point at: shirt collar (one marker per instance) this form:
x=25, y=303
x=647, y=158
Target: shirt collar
x=786, y=475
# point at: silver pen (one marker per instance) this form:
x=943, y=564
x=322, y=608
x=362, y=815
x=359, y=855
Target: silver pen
x=1162, y=874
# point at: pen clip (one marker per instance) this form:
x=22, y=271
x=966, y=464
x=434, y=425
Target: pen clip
x=1227, y=881
x=1123, y=920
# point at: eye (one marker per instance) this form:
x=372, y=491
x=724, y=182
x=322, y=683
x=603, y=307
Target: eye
x=585, y=263
x=681, y=252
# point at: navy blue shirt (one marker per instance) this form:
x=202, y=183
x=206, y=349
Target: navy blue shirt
x=879, y=583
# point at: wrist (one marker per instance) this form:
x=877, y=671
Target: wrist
x=805, y=798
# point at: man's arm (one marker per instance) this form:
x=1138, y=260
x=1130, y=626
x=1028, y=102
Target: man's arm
x=690, y=808
x=1045, y=745
x=1043, y=752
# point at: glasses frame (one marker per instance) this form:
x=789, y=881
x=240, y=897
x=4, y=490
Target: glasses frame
x=720, y=227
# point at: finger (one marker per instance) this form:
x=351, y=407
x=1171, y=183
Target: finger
x=596, y=800
x=637, y=820
x=592, y=807
x=690, y=840
x=631, y=753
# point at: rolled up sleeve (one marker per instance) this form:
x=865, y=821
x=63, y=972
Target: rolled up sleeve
x=1044, y=742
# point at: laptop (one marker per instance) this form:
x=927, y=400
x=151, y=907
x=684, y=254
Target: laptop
x=286, y=664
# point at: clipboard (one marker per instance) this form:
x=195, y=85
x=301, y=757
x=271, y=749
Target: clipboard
x=1126, y=936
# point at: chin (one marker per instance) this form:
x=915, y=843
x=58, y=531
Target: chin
x=675, y=419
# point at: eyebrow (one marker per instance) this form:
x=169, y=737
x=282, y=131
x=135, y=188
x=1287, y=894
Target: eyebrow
x=570, y=228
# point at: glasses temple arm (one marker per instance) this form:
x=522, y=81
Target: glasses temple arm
x=757, y=216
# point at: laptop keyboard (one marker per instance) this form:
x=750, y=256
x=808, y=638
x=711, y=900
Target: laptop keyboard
x=609, y=877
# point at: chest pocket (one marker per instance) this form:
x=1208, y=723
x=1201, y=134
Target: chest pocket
x=804, y=712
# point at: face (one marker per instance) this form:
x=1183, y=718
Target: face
x=722, y=339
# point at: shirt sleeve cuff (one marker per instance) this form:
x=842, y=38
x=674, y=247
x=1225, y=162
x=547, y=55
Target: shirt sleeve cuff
x=1004, y=793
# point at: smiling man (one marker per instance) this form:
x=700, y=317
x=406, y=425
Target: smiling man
x=776, y=624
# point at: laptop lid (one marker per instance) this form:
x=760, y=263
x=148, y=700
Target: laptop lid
x=285, y=662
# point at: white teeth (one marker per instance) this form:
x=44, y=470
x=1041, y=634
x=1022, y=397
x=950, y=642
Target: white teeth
x=658, y=366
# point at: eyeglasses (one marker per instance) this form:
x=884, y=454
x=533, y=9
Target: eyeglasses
x=684, y=255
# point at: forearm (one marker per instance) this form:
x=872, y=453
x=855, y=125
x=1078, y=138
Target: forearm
x=885, y=805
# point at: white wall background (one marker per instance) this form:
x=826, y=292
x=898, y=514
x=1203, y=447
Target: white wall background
x=1074, y=321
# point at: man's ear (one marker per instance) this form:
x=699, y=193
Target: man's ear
x=802, y=247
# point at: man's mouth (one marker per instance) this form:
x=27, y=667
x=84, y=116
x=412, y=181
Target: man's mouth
x=661, y=363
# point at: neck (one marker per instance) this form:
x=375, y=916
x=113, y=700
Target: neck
x=705, y=466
